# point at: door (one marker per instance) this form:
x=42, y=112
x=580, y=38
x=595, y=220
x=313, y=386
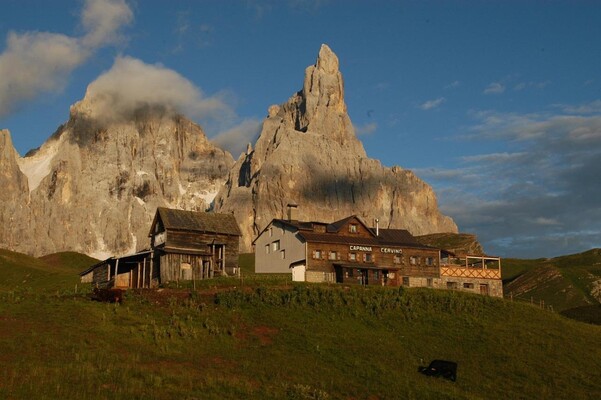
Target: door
x=122, y=280
x=298, y=273
x=484, y=289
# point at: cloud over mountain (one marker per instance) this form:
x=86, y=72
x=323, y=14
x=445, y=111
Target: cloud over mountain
x=33, y=63
x=131, y=84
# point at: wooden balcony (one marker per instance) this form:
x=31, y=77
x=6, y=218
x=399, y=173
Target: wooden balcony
x=471, y=267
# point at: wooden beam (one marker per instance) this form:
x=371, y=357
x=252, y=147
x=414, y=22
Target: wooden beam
x=150, y=276
x=116, y=273
x=144, y=273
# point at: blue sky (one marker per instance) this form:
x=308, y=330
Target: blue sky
x=496, y=104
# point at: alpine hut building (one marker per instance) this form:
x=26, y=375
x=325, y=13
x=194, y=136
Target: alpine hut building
x=350, y=252
x=184, y=245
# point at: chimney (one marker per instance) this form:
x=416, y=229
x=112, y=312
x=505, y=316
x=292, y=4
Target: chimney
x=377, y=227
x=292, y=211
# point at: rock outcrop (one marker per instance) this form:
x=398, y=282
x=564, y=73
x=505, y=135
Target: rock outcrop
x=308, y=154
x=462, y=244
x=13, y=195
x=94, y=186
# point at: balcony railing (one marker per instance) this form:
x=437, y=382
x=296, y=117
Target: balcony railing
x=471, y=267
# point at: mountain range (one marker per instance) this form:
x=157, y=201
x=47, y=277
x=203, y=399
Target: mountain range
x=94, y=185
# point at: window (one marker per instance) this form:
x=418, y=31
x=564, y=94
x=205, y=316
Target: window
x=451, y=285
x=429, y=282
x=430, y=261
x=350, y=273
x=397, y=259
x=267, y=249
x=405, y=281
x=376, y=274
x=352, y=228
x=283, y=254
x=276, y=245
x=270, y=231
x=413, y=260
x=352, y=256
x=317, y=254
x=468, y=285
x=367, y=257
x=333, y=255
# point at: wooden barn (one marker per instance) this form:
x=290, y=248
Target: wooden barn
x=194, y=245
x=133, y=271
x=184, y=245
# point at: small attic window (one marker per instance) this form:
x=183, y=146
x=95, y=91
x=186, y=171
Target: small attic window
x=352, y=228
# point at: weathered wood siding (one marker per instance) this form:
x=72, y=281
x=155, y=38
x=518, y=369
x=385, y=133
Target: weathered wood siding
x=201, y=241
x=184, y=267
x=402, y=261
x=100, y=276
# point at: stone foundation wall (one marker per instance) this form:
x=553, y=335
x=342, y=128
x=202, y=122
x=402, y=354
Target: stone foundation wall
x=319, y=276
x=471, y=285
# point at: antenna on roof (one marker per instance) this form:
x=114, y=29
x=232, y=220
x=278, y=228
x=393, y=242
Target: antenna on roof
x=377, y=227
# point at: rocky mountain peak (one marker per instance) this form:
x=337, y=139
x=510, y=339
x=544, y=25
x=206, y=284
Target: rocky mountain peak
x=327, y=61
x=95, y=184
x=308, y=154
x=323, y=87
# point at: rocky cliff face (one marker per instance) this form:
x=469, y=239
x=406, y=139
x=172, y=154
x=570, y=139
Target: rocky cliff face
x=13, y=195
x=308, y=154
x=94, y=186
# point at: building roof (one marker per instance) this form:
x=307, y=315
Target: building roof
x=397, y=236
x=389, y=240
x=197, y=221
x=379, y=237
x=125, y=259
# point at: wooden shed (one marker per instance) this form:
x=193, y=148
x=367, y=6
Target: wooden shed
x=184, y=245
x=194, y=245
x=132, y=271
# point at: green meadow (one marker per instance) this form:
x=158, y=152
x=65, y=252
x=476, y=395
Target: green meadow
x=263, y=337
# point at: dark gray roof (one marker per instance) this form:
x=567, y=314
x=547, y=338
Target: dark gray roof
x=400, y=236
x=385, y=237
x=390, y=240
x=197, y=221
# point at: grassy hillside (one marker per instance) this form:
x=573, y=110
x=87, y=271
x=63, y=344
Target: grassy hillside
x=53, y=272
x=565, y=283
x=237, y=338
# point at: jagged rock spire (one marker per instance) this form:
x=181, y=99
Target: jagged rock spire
x=307, y=153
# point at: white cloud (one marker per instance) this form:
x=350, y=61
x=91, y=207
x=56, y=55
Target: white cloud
x=540, y=198
x=536, y=85
x=131, y=84
x=520, y=86
x=34, y=63
x=453, y=85
x=590, y=108
x=430, y=104
x=37, y=62
x=494, y=88
x=236, y=139
x=102, y=19
x=366, y=129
